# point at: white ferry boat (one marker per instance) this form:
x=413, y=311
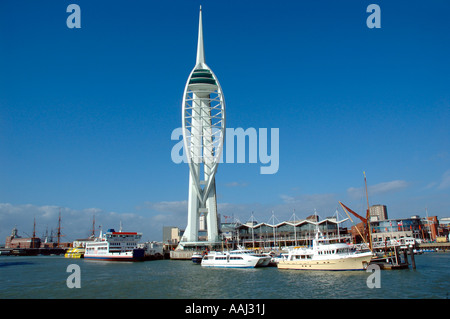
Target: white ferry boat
x=324, y=255
x=235, y=259
x=115, y=246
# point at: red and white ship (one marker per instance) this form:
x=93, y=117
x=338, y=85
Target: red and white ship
x=115, y=246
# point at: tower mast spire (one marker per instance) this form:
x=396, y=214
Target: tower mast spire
x=200, y=48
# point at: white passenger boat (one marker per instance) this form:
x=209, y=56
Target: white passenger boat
x=115, y=246
x=324, y=255
x=235, y=259
x=266, y=257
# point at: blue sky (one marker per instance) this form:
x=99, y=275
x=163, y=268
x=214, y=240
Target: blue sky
x=86, y=115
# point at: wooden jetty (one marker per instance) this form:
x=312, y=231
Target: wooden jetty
x=394, y=260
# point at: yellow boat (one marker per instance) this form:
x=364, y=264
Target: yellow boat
x=76, y=252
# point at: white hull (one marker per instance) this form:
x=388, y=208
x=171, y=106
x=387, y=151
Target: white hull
x=135, y=255
x=350, y=262
x=234, y=260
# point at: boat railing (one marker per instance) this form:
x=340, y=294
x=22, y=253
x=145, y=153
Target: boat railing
x=289, y=240
x=381, y=244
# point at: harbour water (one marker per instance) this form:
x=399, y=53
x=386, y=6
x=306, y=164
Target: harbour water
x=45, y=277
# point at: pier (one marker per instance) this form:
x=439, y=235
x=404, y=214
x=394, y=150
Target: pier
x=393, y=260
x=181, y=254
x=32, y=251
x=396, y=257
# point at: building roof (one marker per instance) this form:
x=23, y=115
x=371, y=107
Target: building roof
x=295, y=223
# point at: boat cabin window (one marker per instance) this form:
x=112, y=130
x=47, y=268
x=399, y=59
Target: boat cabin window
x=221, y=258
x=299, y=257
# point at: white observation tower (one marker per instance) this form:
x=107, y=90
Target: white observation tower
x=203, y=120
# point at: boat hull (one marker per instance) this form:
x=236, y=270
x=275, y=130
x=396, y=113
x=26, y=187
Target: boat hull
x=74, y=253
x=197, y=259
x=353, y=262
x=233, y=265
x=248, y=262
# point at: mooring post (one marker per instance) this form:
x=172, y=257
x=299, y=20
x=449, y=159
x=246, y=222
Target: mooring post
x=405, y=256
x=413, y=262
x=396, y=255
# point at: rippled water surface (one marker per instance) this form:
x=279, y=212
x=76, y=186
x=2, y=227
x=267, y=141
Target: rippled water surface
x=45, y=277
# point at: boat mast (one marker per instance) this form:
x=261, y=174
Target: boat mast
x=34, y=233
x=274, y=230
x=253, y=235
x=295, y=231
x=368, y=213
x=59, y=228
x=337, y=223
x=93, y=226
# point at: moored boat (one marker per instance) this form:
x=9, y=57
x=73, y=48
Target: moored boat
x=324, y=255
x=266, y=258
x=115, y=246
x=197, y=258
x=75, y=252
x=235, y=259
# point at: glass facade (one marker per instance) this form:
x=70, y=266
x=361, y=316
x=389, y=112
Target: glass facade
x=392, y=225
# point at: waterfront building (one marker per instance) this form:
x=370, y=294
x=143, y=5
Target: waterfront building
x=426, y=229
x=253, y=234
x=228, y=231
x=288, y=233
x=203, y=123
x=444, y=227
x=171, y=235
x=444, y=221
x=378, y=212
x=14, y=241
x=431, y=227
x=388, y=229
